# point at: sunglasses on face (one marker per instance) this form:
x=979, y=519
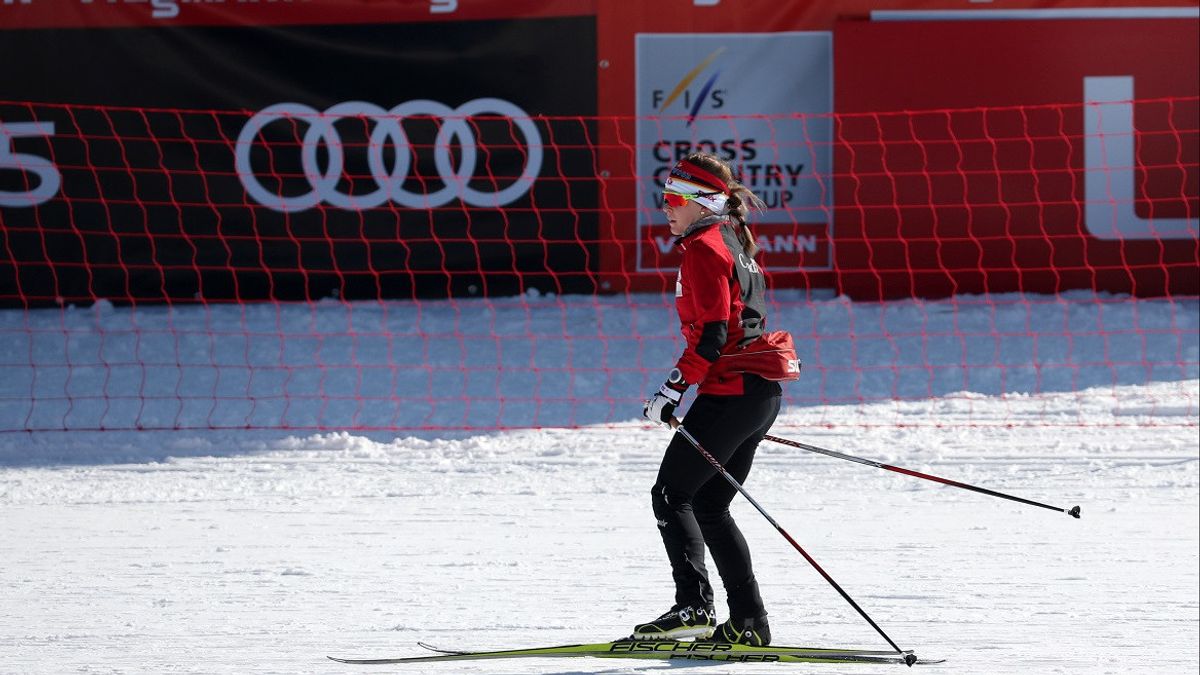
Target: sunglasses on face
x=678, y=199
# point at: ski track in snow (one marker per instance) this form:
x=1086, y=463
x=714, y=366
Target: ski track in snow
x=260, y=554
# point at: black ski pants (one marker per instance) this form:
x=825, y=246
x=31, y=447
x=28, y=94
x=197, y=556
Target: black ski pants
x=691, y=499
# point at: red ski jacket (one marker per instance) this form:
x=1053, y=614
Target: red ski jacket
x=719, y=295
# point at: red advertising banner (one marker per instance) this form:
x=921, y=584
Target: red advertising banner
x=1019, y=60
x=1049, y=188
x=1027, y=167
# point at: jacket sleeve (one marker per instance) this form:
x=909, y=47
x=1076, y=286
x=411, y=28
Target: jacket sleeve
x=708, y=278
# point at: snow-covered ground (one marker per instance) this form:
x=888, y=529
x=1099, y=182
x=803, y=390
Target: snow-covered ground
x=556, y=361
x=221, y=551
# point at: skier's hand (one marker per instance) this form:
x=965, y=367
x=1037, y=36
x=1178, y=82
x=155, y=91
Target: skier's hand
x=660, y=407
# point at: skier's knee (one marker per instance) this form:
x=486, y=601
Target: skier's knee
x=712, y=517
x=666, y=500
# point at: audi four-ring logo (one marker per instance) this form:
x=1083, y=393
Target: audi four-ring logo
x=388, y=131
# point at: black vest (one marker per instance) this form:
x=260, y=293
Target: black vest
x=754, y=286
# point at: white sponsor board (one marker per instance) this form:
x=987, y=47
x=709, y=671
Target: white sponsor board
x=761, y=101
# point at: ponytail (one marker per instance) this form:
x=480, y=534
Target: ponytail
x=737, y=207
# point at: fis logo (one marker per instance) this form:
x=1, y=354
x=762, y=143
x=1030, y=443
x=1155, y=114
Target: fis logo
x=693, y=103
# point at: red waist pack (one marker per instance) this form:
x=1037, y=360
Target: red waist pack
x=771, y=356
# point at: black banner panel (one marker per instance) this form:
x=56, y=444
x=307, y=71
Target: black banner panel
x=298, y=163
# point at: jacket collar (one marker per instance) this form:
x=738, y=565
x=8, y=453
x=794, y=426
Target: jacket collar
x=700, y=225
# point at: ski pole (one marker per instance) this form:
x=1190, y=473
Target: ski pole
x=1073, y=511
x=909, y=659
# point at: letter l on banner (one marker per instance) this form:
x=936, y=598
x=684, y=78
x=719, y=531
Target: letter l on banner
x=1110, y=167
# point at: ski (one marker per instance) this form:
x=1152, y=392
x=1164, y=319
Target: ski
x=663, y=643
x=666, y=650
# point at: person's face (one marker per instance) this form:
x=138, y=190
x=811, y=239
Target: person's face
x=680, y=217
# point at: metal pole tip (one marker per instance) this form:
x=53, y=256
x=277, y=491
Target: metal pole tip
x=1074, y=512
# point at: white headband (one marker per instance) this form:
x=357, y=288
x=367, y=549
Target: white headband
x=712, y=202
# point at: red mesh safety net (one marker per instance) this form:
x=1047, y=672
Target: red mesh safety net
x=477, y=268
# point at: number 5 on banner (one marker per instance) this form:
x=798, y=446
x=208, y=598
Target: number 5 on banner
x=49, y=179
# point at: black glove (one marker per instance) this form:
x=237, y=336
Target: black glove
x=661, y=406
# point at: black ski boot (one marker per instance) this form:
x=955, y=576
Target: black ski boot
x=679, y=623
x=755, y=632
